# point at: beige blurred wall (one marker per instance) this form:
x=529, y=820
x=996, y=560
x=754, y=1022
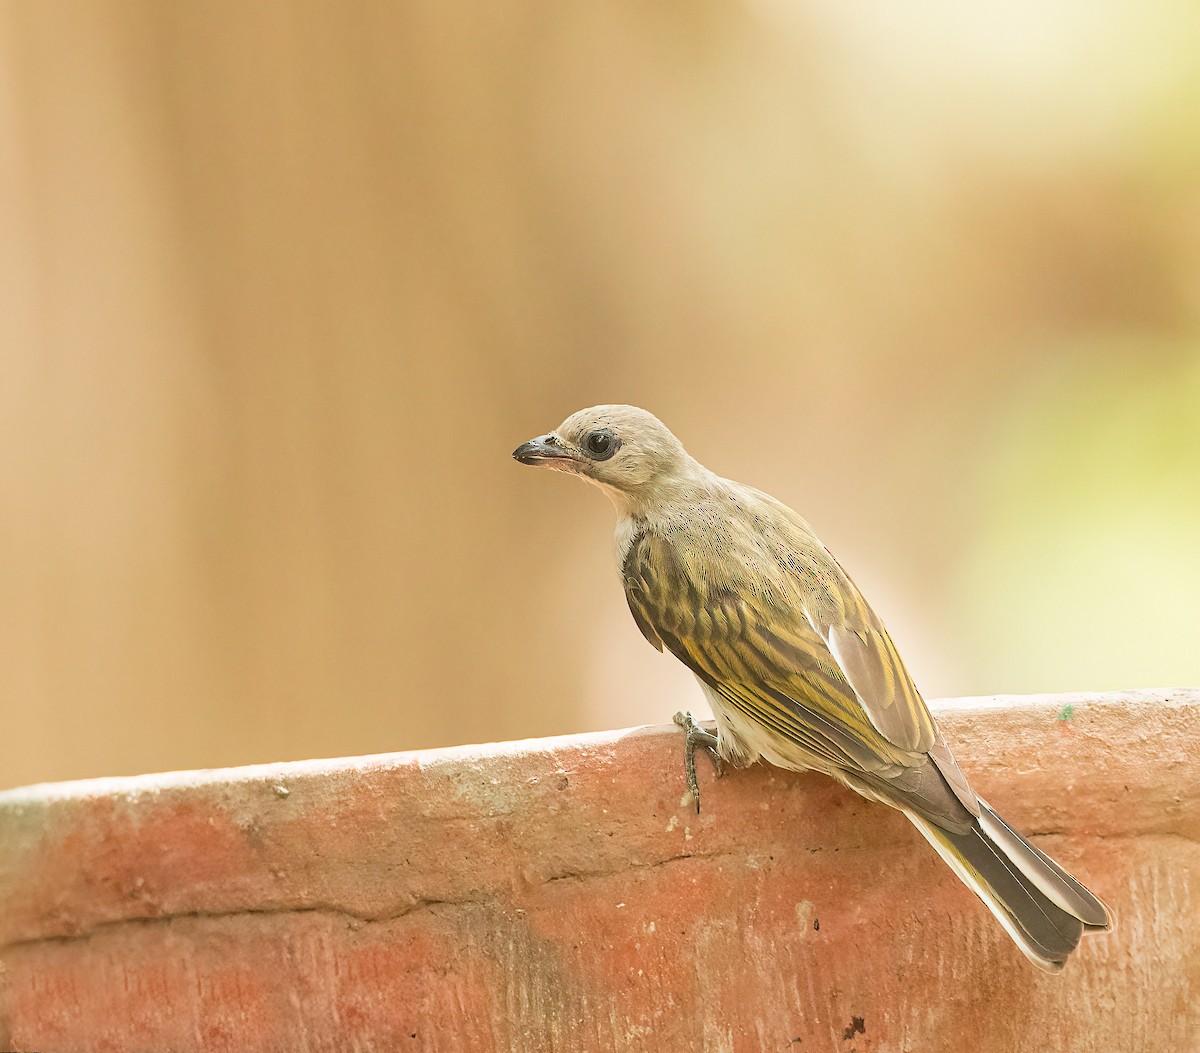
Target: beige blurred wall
x=284, y=284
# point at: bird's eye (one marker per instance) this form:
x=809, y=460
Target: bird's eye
x=601, y=444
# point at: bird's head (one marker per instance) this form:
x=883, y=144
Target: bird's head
x=623, y=449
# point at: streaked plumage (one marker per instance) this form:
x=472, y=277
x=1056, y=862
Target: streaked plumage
x=799, y=670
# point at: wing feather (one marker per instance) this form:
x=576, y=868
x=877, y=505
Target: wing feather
x=824, y=676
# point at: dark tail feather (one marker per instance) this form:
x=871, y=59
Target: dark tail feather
x=1042, y=907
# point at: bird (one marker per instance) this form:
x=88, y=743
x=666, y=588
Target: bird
x=799, y=670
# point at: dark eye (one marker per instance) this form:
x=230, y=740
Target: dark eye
x=601, y=444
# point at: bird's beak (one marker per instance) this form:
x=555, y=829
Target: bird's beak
x=546, y=450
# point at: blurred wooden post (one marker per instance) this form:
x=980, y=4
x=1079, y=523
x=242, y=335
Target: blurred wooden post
x=562, y=894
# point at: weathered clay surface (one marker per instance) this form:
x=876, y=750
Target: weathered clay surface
x=563, y=895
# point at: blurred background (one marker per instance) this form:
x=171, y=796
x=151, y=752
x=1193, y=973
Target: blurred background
x=284, y=284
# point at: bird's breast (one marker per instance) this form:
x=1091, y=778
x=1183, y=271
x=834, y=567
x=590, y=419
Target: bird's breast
x=627, y=532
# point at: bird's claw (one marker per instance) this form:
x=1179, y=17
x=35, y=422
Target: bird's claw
x=695, y=736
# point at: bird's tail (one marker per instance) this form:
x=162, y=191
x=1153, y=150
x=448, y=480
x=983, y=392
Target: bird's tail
x=1042, y=907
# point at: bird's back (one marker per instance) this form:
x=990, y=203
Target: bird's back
x=739, y=588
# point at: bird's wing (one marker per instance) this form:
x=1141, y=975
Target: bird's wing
x=824, y=675
x=867, y=660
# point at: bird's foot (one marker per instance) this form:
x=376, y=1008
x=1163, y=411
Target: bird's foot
x=695, y=736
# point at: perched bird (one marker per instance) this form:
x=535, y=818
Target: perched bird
x=799, y=670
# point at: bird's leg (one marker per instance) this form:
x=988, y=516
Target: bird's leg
x=694, y=735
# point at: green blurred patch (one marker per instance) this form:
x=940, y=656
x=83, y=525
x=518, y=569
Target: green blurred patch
x=1085, y=569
